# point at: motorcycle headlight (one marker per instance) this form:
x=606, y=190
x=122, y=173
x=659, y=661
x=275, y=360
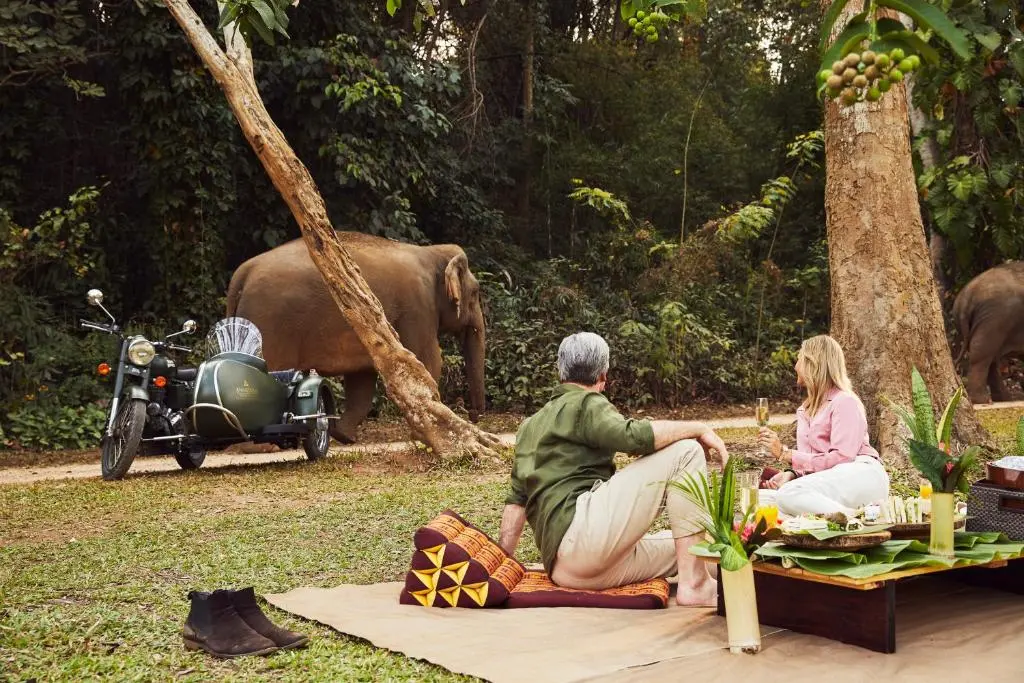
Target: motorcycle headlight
x=141, y=352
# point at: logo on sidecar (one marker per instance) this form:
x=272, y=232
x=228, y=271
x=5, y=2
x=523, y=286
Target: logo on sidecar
x=246, y=391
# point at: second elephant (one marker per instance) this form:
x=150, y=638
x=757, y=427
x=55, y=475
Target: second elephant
x=989, y=313
x=425, y=291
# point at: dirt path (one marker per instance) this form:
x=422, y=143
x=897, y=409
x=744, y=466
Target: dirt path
x=32, y=474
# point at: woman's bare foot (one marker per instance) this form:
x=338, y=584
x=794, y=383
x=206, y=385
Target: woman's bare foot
x=704, y=593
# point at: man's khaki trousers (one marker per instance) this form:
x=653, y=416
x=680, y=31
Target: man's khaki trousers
x=607, y=544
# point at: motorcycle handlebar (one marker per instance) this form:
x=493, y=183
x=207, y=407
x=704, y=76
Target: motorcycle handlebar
x=172, y=347
x=96, y=326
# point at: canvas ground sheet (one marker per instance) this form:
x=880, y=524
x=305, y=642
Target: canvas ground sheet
x=945, y=632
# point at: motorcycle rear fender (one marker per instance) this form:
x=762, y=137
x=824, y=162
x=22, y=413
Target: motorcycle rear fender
x=304, y=401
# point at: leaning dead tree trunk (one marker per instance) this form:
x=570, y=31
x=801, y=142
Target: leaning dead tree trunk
x=407, y=381
x=885, y=307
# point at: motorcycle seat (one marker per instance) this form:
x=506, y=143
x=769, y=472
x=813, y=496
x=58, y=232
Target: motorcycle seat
x=286, y=376
x=187, y=374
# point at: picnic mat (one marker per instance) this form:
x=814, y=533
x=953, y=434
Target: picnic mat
x=945, y=632
x=509, y=645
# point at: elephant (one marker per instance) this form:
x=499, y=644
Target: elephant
x=424, y=290
x=989, y=313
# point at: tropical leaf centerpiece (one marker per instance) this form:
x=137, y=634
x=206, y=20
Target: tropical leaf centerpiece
x=732, y=539
x=929, y=444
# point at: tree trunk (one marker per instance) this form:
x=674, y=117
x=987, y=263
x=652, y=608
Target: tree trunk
x=407, y=381
x=524, y=232
x=885, y=307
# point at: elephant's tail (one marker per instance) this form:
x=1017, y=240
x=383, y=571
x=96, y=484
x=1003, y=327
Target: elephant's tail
x=235, y=290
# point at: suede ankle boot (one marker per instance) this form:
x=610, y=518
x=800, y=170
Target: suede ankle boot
x=215, y=626
x=245, y=604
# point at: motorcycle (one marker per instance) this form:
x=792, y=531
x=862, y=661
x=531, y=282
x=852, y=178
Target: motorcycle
x=161, y=408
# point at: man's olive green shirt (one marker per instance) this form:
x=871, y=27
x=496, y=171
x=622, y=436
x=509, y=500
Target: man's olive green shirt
x=562, y=451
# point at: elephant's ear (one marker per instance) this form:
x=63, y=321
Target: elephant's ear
x=453, y=280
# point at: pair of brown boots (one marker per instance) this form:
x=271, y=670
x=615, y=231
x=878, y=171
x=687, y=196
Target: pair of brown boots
x=229, y=624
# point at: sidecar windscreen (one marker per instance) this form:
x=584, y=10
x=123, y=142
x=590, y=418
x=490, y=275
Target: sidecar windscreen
x=235, y=336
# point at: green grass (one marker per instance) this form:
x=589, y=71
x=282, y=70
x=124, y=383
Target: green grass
x=94, y=575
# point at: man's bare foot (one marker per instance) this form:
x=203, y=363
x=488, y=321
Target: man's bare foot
x=702, y=594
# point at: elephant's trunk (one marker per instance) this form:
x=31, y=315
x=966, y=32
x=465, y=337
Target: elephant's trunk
x=473, y=345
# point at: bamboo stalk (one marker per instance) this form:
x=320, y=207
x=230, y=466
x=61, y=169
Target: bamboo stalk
x=941, y=542
x=741, y=610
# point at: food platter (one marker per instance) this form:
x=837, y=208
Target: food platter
x=852, y=541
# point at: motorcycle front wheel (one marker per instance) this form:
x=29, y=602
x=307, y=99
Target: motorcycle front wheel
x=190, y=458
x=315, y=443
x=121, y=447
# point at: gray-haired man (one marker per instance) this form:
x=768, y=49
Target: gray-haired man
x=591, y=522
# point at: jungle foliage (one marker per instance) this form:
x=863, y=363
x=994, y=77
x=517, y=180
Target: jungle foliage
x=548, y=138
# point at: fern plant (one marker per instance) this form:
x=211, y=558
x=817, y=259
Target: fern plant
x=929, y=444
x=733, y=539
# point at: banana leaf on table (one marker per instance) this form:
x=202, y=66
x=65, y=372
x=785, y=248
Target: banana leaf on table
x=891, y=556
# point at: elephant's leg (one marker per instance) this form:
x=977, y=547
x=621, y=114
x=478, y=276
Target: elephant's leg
x=420, y=337
x=977, y=380
x=996, y=384
x=359, y=388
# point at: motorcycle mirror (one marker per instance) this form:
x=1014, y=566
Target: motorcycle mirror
x=94, y=297
x=189, y=327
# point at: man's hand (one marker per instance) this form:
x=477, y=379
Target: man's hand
x=779, y=479
x=711, y=441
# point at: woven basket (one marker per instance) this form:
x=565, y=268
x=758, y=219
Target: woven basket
x=994, y=508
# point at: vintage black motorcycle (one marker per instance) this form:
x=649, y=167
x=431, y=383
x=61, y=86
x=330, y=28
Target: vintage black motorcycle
x=161, y=408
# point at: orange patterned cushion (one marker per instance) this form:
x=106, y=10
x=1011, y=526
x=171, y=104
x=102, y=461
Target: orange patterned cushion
x=537, y=590
x=455, y=564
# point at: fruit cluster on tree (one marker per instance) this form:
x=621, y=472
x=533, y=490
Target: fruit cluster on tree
x=874, y=50
x=860, y=77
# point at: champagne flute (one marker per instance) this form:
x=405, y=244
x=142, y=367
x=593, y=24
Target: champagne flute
x=761, y=415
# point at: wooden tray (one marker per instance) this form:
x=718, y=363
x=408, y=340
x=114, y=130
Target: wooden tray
x=846, y=542
x=1000, y=476
x=921, y=531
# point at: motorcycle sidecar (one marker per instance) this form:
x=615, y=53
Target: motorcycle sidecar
x=237, y=400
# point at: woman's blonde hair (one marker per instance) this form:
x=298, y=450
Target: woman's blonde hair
x=824, y=369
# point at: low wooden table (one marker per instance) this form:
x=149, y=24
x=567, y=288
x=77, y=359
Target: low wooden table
x=860, y=612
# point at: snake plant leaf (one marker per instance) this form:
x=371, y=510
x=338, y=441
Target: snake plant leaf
x=945, y=430
x=924, y=416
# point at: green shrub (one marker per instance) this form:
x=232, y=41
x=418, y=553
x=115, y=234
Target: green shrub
x=49, y=426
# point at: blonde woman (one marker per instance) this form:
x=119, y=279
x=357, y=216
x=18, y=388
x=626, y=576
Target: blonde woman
x=833, y=468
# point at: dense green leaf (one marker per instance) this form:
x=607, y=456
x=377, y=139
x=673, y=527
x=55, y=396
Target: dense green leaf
x=930, y=462
x=931, y=18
